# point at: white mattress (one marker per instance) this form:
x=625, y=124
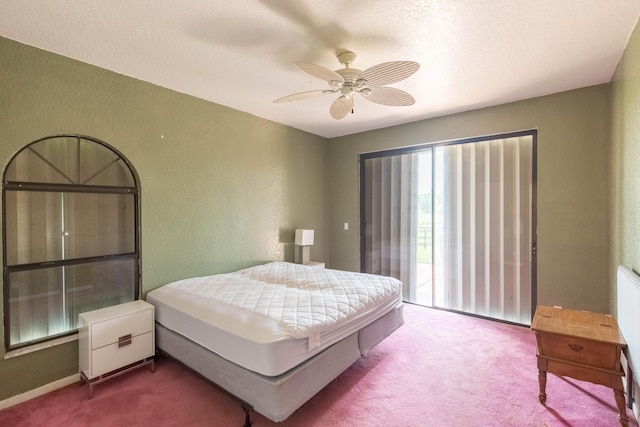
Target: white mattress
x=272, y=317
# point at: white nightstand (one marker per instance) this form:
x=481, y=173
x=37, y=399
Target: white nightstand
x=115, y=340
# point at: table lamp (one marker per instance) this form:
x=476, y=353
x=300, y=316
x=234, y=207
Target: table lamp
x=304, y=239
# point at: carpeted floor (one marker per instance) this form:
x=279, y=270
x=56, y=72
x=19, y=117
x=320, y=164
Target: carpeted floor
x=439, y=369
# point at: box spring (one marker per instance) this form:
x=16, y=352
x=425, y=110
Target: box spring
x=277, y=397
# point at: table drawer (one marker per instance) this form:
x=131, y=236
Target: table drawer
x=113, y=356
x=592, y=353
x=110, y=331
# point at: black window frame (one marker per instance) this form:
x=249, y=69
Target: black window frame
x=8, y=185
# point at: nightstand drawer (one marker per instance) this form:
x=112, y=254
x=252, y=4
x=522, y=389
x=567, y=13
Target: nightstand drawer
x=114, y=356
x=587, y=352
x=111, y=330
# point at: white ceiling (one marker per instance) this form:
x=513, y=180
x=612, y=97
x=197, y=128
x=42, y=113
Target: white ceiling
x=240, y=53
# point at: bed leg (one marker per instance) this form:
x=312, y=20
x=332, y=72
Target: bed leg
x=247, y=415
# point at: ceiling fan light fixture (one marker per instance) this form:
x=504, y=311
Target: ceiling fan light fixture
x=347, y=90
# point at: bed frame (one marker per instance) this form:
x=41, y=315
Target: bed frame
x=278, y=397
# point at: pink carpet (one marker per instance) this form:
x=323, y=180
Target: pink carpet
x=439, y=369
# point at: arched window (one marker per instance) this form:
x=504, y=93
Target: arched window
x=70, y=236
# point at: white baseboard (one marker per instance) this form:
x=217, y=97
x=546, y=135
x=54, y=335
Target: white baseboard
x=47, y=388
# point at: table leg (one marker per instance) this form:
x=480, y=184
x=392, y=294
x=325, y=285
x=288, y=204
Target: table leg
x=542, y=381
x=621, y=404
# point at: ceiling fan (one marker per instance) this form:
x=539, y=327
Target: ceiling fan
x=369, y=83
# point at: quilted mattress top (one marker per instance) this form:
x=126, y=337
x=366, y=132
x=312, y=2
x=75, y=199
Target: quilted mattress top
x=304, y=301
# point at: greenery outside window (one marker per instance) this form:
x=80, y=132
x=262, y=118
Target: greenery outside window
x=70, y=236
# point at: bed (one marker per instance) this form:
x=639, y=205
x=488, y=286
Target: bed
x=273, y=335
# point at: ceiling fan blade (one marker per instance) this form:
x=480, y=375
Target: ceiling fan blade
x=389, y=96
x=302, y=95
x=319, y=71
x=341, y=107
x=389, y=72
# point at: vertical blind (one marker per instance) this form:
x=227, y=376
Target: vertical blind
x=390, y=226
x=483, y=260
x=482, y=218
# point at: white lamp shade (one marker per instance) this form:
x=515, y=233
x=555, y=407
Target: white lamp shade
x=304, y=237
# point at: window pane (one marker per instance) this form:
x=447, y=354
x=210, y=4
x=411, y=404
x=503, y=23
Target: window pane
x=70, y=160
x=33, y=227
x=52, y=226
x=100, y=166
x=52, y=161
x=46, y=302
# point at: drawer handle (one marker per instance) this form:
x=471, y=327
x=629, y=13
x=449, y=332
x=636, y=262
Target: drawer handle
x=576, y=347
x=124, y=340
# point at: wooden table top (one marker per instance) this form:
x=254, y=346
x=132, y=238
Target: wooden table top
x=576, y=323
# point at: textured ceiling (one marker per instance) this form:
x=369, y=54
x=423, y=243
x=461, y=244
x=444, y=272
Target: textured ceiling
x=240, y=53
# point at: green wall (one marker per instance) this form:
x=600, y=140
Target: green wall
x=572, y=186
x=625, y=161
x=220, y=189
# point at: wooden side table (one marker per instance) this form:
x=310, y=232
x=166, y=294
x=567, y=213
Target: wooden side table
x=581, y=345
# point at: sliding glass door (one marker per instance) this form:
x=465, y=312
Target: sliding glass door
x=455, y=222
